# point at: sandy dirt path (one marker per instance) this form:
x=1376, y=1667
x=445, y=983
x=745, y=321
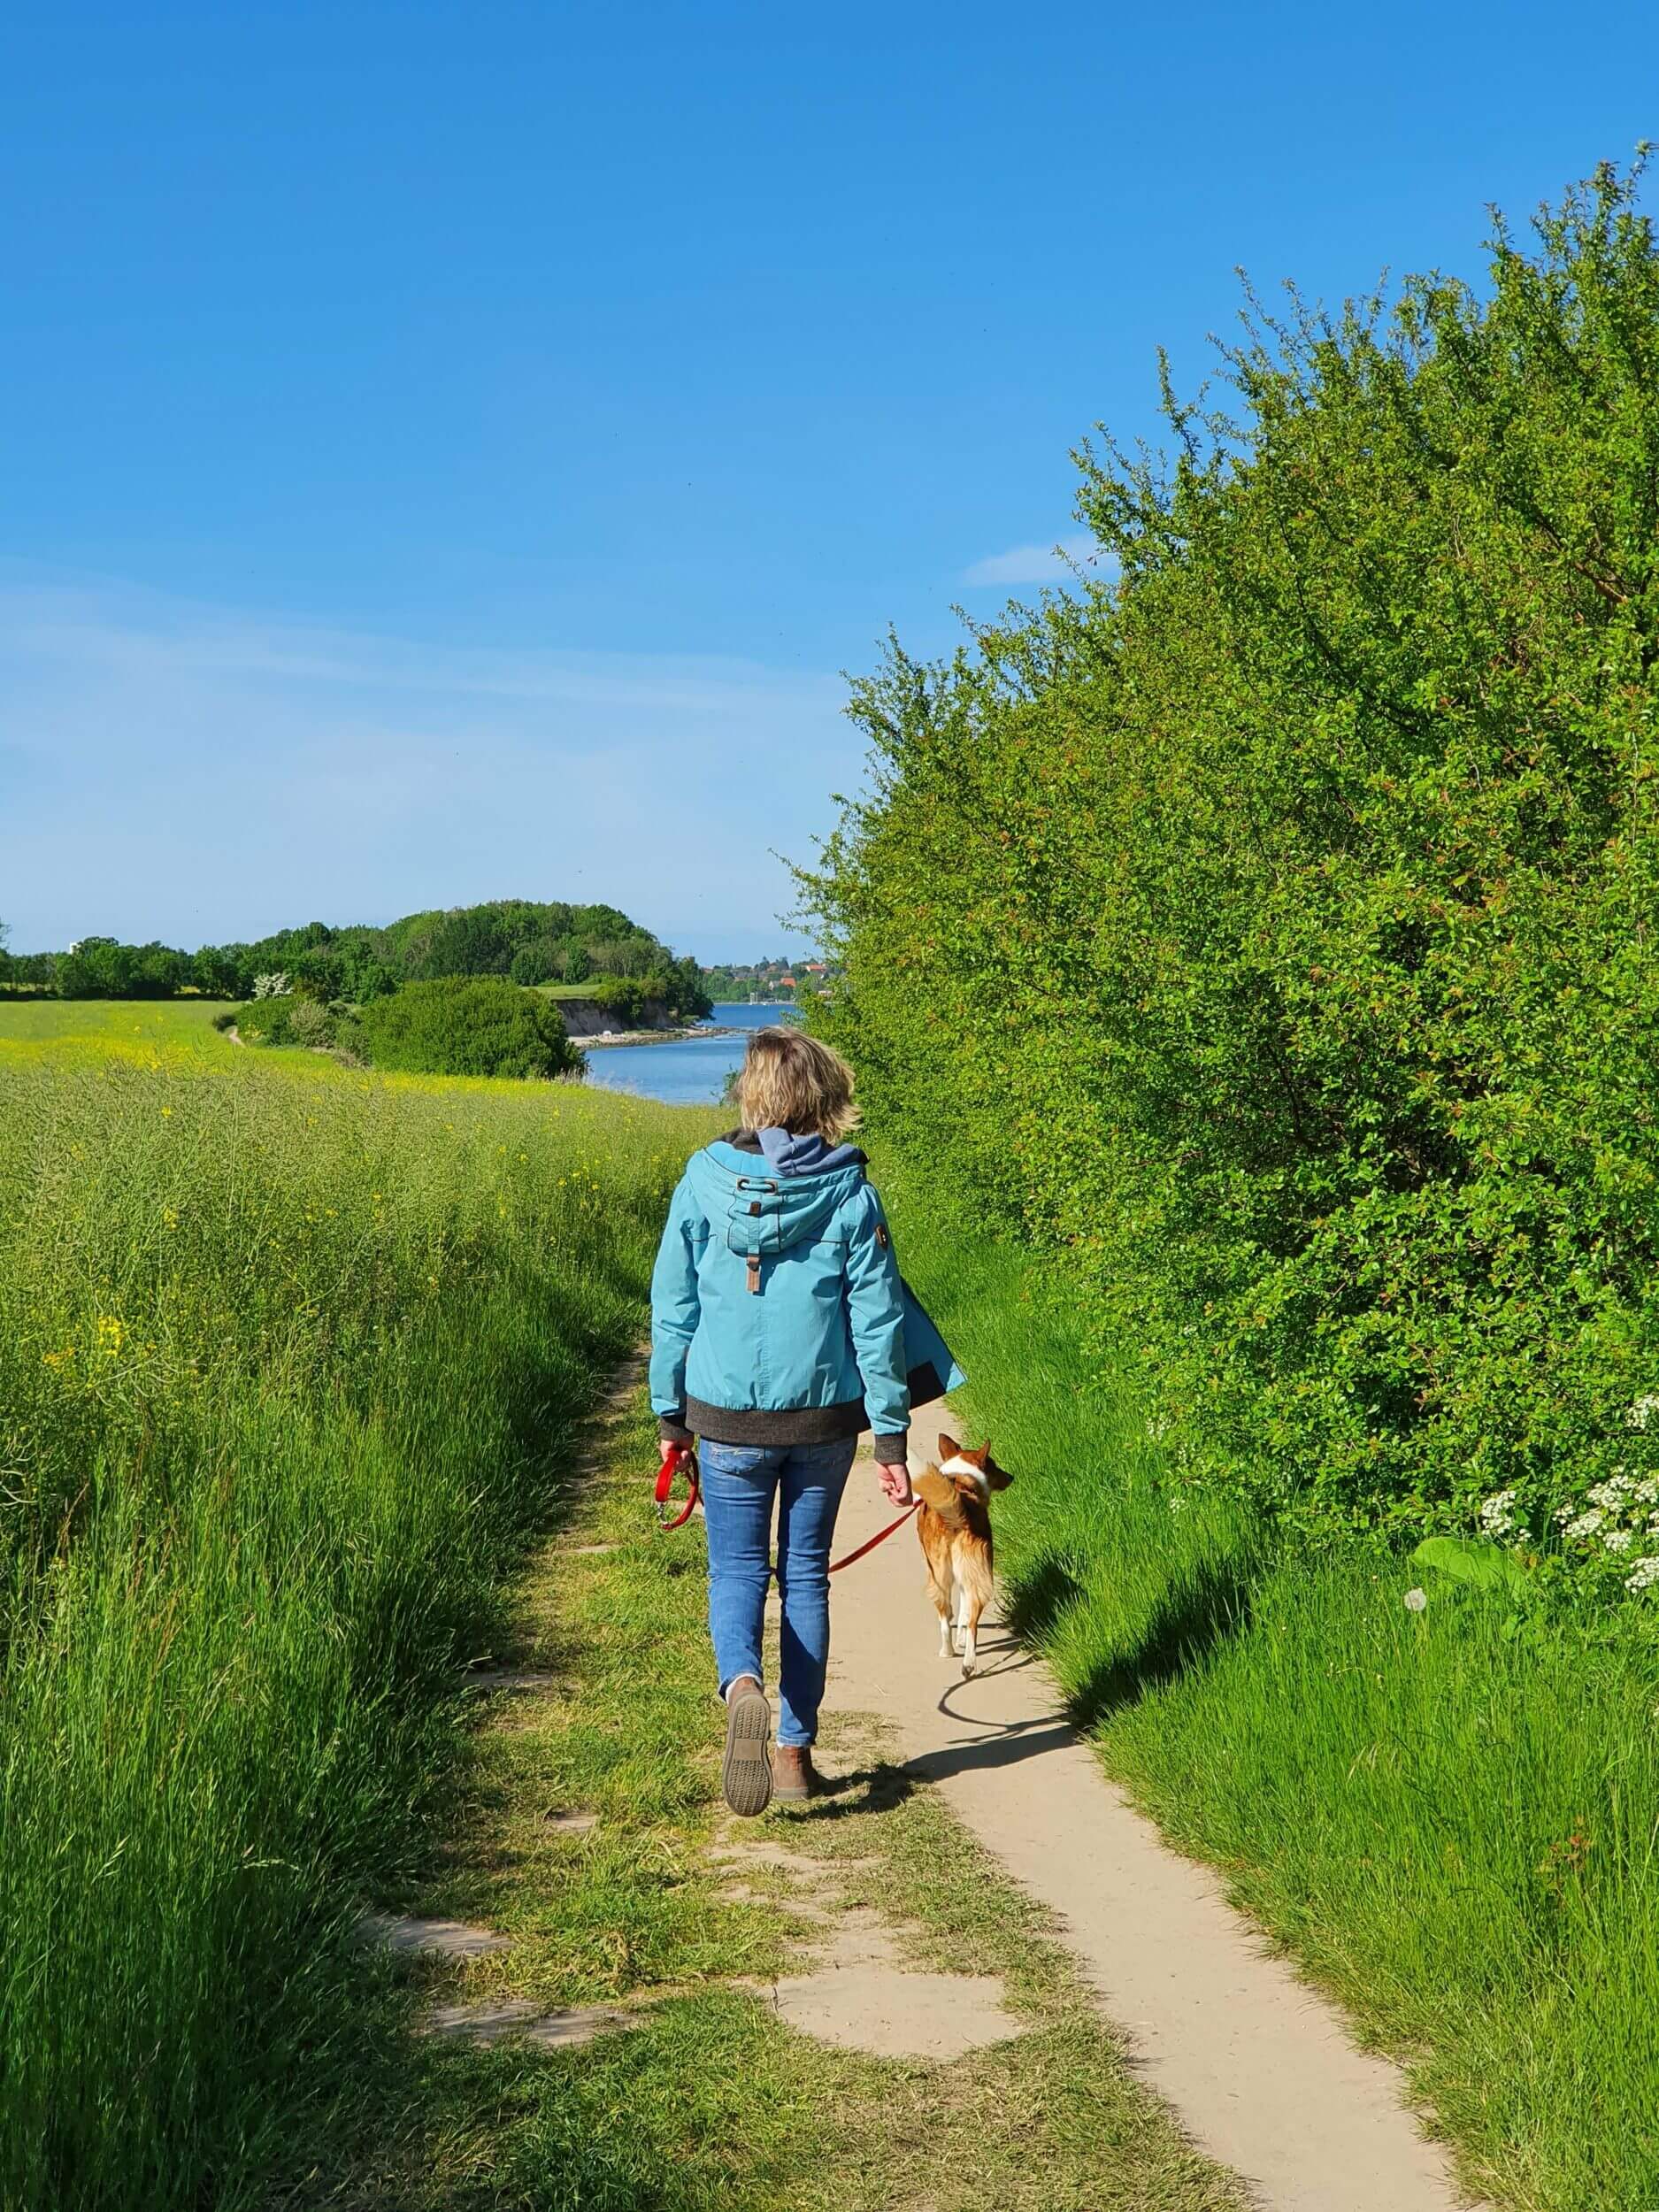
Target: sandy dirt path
x=1261, y=2069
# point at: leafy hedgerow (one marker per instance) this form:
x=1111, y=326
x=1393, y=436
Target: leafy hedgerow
x=1269, y=926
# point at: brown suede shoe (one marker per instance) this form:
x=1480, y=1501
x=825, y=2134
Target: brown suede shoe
x=793, y=1775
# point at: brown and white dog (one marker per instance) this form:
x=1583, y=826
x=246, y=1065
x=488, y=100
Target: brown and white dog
x=955, y=1528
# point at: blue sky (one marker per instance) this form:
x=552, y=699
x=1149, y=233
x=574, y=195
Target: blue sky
x=450, y=450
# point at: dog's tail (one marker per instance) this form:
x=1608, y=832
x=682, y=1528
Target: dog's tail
x=938, y=1495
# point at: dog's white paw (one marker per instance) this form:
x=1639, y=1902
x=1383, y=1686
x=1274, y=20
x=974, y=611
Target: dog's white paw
x=967, y=1670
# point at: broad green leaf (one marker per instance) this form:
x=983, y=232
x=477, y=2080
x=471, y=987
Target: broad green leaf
x=1472, y=1559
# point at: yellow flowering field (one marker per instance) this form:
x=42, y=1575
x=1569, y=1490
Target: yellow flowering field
x=94, y=1031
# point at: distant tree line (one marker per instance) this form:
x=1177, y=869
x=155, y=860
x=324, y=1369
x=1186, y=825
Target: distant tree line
x=524, y=941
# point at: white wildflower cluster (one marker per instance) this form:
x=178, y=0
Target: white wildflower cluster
x=1619, y=1515
x=1619, y=1488
x=1641, y=1413
x=1497, y=1515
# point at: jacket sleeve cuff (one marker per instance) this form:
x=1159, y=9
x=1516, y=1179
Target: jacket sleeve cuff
x=890, y=1450
x=671, y=1427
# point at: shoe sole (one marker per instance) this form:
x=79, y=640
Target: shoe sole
x=746, y=1771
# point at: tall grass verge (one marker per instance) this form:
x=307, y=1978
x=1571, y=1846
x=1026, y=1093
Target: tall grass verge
x=1449, y=1816
x=287, y=1370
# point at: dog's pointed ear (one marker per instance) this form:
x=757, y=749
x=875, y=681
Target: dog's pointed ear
x=948, y=1447
x=996, y=1478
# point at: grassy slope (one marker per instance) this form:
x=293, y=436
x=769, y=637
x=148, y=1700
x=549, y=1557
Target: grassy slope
x=712, y=2104
x=287, y=1364
x=1451, y=1824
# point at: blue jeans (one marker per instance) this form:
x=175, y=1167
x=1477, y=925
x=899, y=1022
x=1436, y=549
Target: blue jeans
x=739, y=1482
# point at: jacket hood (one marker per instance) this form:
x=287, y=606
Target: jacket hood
x=810, y=1154
x=763, y=1209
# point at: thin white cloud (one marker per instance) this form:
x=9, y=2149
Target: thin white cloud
x=197, y=773
x=1035, y=563
x=137, y=632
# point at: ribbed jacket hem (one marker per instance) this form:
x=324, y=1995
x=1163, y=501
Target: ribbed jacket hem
x=771, y=1425
x=799, y=1425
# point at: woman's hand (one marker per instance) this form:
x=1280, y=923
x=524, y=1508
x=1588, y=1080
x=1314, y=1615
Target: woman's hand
x=894, y=1478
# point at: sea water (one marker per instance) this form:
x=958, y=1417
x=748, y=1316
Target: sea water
x=682, y=1070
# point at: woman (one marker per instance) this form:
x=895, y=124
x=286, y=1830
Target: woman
x=778, y=1334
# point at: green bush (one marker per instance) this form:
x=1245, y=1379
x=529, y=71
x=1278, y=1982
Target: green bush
x=312, y=1021
x=266, y=1021
x=467, y=1025
x=622, y=996
x=1266, y=928
x=289, y=1017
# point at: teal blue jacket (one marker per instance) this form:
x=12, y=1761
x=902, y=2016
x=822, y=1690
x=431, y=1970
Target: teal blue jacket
x=778, y=1312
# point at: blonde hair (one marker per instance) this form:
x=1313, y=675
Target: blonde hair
x=791, y=1081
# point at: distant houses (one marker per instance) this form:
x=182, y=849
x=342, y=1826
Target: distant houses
x=762, y=982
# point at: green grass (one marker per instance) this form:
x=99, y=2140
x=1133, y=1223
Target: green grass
x=288, y=1370
x=1449, y=1818
x=712, y=2103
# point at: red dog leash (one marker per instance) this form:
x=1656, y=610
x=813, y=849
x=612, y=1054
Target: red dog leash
x=679, y=1459
x=880, y=1537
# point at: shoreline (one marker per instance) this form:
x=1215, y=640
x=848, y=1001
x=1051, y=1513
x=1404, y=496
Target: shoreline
x=606, y=1041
